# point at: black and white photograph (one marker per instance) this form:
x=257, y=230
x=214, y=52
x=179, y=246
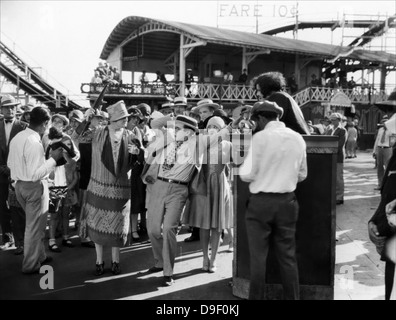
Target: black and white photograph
x=197, y=154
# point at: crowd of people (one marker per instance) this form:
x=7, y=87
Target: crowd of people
x=105, y=73
x=170, y=167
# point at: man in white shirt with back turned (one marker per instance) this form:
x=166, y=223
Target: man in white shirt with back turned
x=274, y=165
x=30, y=170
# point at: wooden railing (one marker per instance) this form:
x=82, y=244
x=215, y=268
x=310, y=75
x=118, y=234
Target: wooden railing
x=193, y=91
x=232, y=92
x=324, y=94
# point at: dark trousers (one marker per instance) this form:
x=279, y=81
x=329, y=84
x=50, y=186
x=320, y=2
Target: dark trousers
x=18, y=217
x=389, y=276
x=272, y=215
x=5, y=215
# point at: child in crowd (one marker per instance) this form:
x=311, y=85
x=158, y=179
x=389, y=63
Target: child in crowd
x=62, y=188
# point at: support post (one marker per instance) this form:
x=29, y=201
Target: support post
x=244, y=59
x=383, y=77
x=182, y=67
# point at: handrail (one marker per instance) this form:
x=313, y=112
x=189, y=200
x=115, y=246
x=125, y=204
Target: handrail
x=28, y=87
x=232, y=92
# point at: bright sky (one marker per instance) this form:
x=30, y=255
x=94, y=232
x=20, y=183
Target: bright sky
x=65, y=38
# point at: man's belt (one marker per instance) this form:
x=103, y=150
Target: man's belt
x=173, y=181
x=383, y=147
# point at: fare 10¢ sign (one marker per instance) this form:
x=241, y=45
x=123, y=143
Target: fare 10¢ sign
x=256, y=10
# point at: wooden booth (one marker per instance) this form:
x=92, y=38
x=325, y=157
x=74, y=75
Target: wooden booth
x=315, y=228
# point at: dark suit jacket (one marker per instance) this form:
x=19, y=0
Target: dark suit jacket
x=292, y=115
x=342, y=134
x=388, y=194
x=17, y=127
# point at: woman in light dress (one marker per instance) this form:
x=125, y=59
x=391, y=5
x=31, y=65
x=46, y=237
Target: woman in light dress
x=211, y=211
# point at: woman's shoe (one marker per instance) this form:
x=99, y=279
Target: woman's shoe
x=67, y=243
x=142, y=228
x=88, y=244
x=115, y=268
x=212, y=268
x=135, y=236
x=54, y=248
x=205, y=265
x=99, y=269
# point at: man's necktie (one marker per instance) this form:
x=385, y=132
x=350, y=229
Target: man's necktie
x=171, y=157
x=8, y=121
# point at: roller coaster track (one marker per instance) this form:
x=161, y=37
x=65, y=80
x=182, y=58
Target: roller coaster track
x=376, y=28
x=23, y=76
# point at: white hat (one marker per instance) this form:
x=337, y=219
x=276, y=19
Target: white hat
x=161, y=122
x=180, y=101
x=336, y=116
x=207, y=103
x=167, y=105
x=156, y=115
x=216, y=121
x=117, y=111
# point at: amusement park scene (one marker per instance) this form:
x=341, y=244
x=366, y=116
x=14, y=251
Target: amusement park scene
x=197, y=150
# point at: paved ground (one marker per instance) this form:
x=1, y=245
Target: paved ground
x=354, y=251
x=359, y=273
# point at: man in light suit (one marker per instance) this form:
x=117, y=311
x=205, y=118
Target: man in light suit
x=9, y=127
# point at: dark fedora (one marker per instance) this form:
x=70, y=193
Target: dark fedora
x=188, y=122
x=144, y=108
x=267, y=106
x=135, y=112
x=389, y=104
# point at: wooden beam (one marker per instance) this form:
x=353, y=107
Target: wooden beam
x=258, y=52
x=194, y=44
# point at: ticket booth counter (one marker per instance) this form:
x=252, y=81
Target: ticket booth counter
x=315, y=228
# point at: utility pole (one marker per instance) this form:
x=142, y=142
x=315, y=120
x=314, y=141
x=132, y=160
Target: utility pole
x=257, y=19
x=295, y=31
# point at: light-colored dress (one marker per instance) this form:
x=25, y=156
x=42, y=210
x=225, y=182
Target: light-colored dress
x=213, y=210
x=107, y=204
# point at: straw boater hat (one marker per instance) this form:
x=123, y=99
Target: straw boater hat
x=62, y=117
x=207, y=103
x=167, y=105
x=8, y=101
x=188, y=122
x=180, y=101
x=117, y=111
